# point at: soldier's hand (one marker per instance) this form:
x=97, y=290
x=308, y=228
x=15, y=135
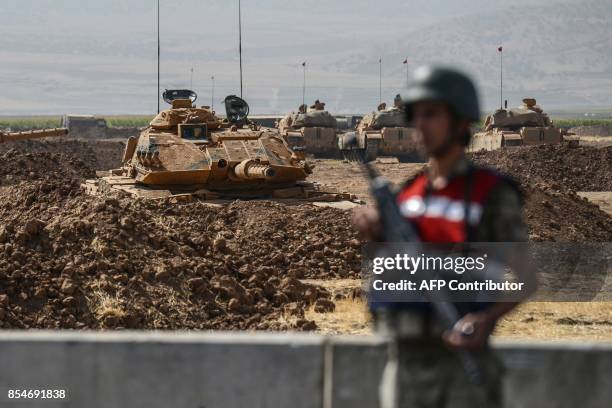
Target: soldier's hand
x=471, y=332
x=367, y=222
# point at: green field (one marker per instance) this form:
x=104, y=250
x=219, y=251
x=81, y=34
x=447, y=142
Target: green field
x=570, y=123
x=29, y=122
x=128, y=120
x=17, y=123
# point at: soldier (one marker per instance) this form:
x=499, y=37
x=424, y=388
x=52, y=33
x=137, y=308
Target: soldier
x=422, y=370
x=381, y=107
x=318, y=106
x=397, y=102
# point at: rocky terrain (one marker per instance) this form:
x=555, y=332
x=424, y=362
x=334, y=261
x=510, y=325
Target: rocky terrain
x=550, y=177
x=74, y=261
x=70, y=260
x=98, y=154
x=578, y=169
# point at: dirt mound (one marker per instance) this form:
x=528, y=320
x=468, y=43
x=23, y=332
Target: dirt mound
x=98, y=154
x=601, y=130
x=579, y=169
x=68, y=260
x=550, y=176
x=43, y=166
x=108, y=153
x=555, y=214
x=309, y=241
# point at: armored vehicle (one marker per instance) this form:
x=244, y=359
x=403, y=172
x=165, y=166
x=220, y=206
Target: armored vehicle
x=189, y=151
x=525, y=125
x=381, y=133
x=313, y=131
x=31, y=134
x=96, y=127
x=86, y=126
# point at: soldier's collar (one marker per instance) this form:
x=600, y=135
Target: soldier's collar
x=461, y=167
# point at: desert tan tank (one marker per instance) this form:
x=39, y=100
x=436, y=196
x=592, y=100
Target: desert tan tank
x=189, y=151
x=31, y=134
x=522, y=126
x=382, y=133
x=314, y=131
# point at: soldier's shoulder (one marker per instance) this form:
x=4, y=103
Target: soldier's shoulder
x=411, y=180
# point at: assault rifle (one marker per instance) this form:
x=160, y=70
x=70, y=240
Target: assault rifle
x=396, y=230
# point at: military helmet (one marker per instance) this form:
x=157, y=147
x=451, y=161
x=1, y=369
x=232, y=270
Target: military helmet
x=443, y=84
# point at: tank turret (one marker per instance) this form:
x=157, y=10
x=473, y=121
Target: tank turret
x=384, y=132
x=313, y=130
x=189, y=150
x=527, y=124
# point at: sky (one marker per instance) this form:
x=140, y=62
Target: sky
x=72, y=56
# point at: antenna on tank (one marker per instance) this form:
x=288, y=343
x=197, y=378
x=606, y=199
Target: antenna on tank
x=240, y=42
x=304, y=84
x=501, y=76
x=212, y=98
x=158, y=57
x=380, y=80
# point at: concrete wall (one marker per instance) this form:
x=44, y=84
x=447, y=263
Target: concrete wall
x=164, y=370
x=123, y=369
x=558, y=375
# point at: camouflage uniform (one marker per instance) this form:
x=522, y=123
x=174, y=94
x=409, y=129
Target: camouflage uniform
x=422, y=372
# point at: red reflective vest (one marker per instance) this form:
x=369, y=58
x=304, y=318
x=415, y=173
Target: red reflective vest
x=440, y=215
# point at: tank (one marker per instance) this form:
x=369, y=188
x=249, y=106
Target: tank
x=313, y=131
x=86, y=126
x=189, y=151
x=523, y=126
x=381, y=133
x=31, y=134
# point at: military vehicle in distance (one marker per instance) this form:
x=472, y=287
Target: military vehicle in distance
x=313, y=131
x=31, y=134
x=188, y=151
x=381, y=133
x=522, y=126
x=95, y=127
x=86, y=126
x=348, y=122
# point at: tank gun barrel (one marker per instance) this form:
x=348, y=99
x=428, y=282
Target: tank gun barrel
x=32, y=134
x=252, y=170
